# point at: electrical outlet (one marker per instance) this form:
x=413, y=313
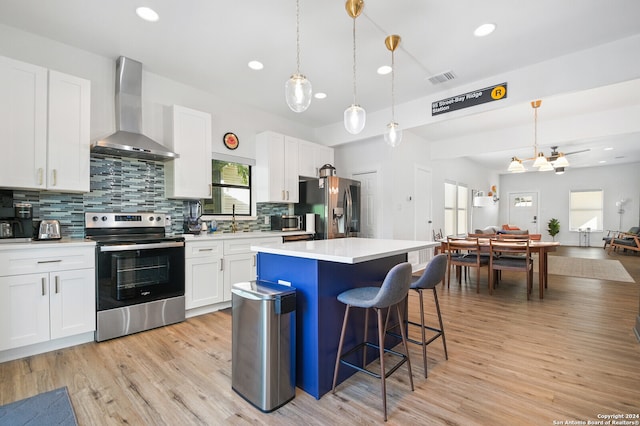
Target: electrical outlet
x=266, y=220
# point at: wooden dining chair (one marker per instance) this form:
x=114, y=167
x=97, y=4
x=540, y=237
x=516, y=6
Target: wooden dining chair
x=510, y=256
x=463, y=253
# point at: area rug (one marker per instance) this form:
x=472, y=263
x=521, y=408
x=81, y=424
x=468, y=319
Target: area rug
x=601, y=269
x=48, y=408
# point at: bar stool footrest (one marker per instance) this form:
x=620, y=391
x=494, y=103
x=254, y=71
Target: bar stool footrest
x=369, y=372
x=418, y=342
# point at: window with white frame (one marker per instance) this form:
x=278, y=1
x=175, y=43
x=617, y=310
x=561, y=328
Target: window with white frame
x=585, y=210
x=456, y=208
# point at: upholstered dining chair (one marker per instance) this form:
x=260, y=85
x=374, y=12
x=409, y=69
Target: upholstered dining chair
x=428, y=280
x=393, y=291
x=465, y=253
x=510, y=256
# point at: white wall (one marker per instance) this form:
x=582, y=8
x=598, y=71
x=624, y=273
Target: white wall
x=617, y=182
x=396, y=169
x=158, y=93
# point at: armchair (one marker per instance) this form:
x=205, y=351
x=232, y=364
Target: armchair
x=626, y=241
x=611, y=235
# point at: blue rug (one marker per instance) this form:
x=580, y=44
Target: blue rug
x=48, y=408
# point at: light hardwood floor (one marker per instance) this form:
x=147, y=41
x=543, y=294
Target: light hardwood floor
x=572, y=356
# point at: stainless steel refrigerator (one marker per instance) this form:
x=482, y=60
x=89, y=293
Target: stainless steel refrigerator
x=336, y=203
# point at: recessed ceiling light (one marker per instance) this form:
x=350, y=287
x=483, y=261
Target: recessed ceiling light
x=602, y=161
x=147, y=14
x=384, y=70
x=609, y=148
x=255, y=65
x=320, y=95
x=484, y=30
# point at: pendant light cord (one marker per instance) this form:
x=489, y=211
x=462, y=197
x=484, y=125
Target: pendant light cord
x=393, y=78
x=297, y=36
x=354, y=61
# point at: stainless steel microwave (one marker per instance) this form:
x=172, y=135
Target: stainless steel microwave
x=286, y=223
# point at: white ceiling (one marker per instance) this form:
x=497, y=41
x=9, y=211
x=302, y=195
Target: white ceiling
x=208, y=43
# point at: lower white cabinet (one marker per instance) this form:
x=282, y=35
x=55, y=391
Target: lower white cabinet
x=213, y=266
x=203, y=273
x=51, y=303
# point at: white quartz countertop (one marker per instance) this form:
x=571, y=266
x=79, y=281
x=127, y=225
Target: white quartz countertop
x=344, y=250
x=64, y=242
x=240, y=235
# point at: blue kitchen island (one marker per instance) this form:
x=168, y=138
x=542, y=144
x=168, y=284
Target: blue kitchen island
x=319, y=271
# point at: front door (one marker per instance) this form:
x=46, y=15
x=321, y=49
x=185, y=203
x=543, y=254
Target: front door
x=523, y=211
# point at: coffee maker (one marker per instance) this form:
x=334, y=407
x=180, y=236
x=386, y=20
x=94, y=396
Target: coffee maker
x=16, y=220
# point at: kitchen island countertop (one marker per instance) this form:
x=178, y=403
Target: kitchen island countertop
x=344, y=250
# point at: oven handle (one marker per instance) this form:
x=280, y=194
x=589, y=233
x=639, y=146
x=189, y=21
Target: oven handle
x=135, y=246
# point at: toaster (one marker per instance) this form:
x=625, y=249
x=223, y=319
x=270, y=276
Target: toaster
x=49, y=230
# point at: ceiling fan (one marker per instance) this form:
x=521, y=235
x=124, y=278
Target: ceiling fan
x=558, y=160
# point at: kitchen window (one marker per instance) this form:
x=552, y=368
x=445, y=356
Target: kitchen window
x=231, y=189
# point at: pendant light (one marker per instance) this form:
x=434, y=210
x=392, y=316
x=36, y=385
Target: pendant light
x=355, y=116
x=297, y=90
x=393, y=134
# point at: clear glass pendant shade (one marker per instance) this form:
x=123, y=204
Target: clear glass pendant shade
x=393, y=135
x=355, y=118
x=298, y=93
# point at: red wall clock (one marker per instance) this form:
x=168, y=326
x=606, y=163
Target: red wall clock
x=230, y=140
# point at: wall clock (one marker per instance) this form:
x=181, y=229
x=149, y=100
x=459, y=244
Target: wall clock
x=230, y=140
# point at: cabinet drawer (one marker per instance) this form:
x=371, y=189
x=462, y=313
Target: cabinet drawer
x=243, y=245
x=36, y=260
x=195, y=249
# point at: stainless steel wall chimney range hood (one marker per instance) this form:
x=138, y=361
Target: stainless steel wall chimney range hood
x=128, y=140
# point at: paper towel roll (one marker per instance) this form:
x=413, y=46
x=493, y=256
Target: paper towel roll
x=310, y=220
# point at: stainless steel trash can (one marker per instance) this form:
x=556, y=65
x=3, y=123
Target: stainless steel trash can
x=263, y=354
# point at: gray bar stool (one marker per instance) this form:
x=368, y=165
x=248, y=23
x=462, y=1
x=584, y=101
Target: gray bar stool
x=393, y=291
x=432, y=275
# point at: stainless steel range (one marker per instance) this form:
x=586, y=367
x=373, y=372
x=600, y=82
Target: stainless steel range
x=139, y=273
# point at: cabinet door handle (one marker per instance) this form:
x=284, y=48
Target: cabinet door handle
x=283, y=194
x=44, y=286
x=57, y=284
x=210, y=190
x=40, y=171
x=287, y=195
x=50, y=261
x=254, y=260
x=221, y=264
x=205, y=249
x=55, y=177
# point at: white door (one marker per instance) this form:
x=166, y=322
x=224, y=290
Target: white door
x=369, y=204
x=523, y=211
x=423, y=224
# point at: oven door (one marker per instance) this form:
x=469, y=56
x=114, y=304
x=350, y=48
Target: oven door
x=129, y=274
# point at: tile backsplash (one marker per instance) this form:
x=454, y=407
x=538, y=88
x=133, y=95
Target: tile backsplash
x=124, y=185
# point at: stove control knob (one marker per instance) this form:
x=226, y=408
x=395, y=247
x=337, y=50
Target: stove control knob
x=95, y=218
x=104, y=218
x=159, y=219
x=151, y=218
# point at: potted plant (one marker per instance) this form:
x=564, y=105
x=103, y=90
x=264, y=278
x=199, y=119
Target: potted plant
x=553, y=228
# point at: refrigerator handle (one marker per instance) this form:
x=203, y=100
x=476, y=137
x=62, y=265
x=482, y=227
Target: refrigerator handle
x=349, y=213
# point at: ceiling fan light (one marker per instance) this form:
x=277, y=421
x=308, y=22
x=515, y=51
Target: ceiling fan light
x=515, y=166
x=561, y=161
x=547, y=167
x=541, y=160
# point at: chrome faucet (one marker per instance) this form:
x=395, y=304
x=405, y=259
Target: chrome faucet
x=234, y=225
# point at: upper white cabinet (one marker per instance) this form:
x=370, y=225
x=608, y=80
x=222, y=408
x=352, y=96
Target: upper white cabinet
x=189, y=176
x=44, y=128
x=276, y=169
x=311, y=157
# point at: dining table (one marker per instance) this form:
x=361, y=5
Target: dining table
x=542, y=248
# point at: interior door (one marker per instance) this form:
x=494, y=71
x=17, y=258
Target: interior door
x=423, y=225
x=523, y=211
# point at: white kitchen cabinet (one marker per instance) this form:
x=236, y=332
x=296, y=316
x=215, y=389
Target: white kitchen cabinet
x=50, y=303
x=203, y=273
x=44, y=128
x=276, y=168
x=311, y=157
x=189, y=176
